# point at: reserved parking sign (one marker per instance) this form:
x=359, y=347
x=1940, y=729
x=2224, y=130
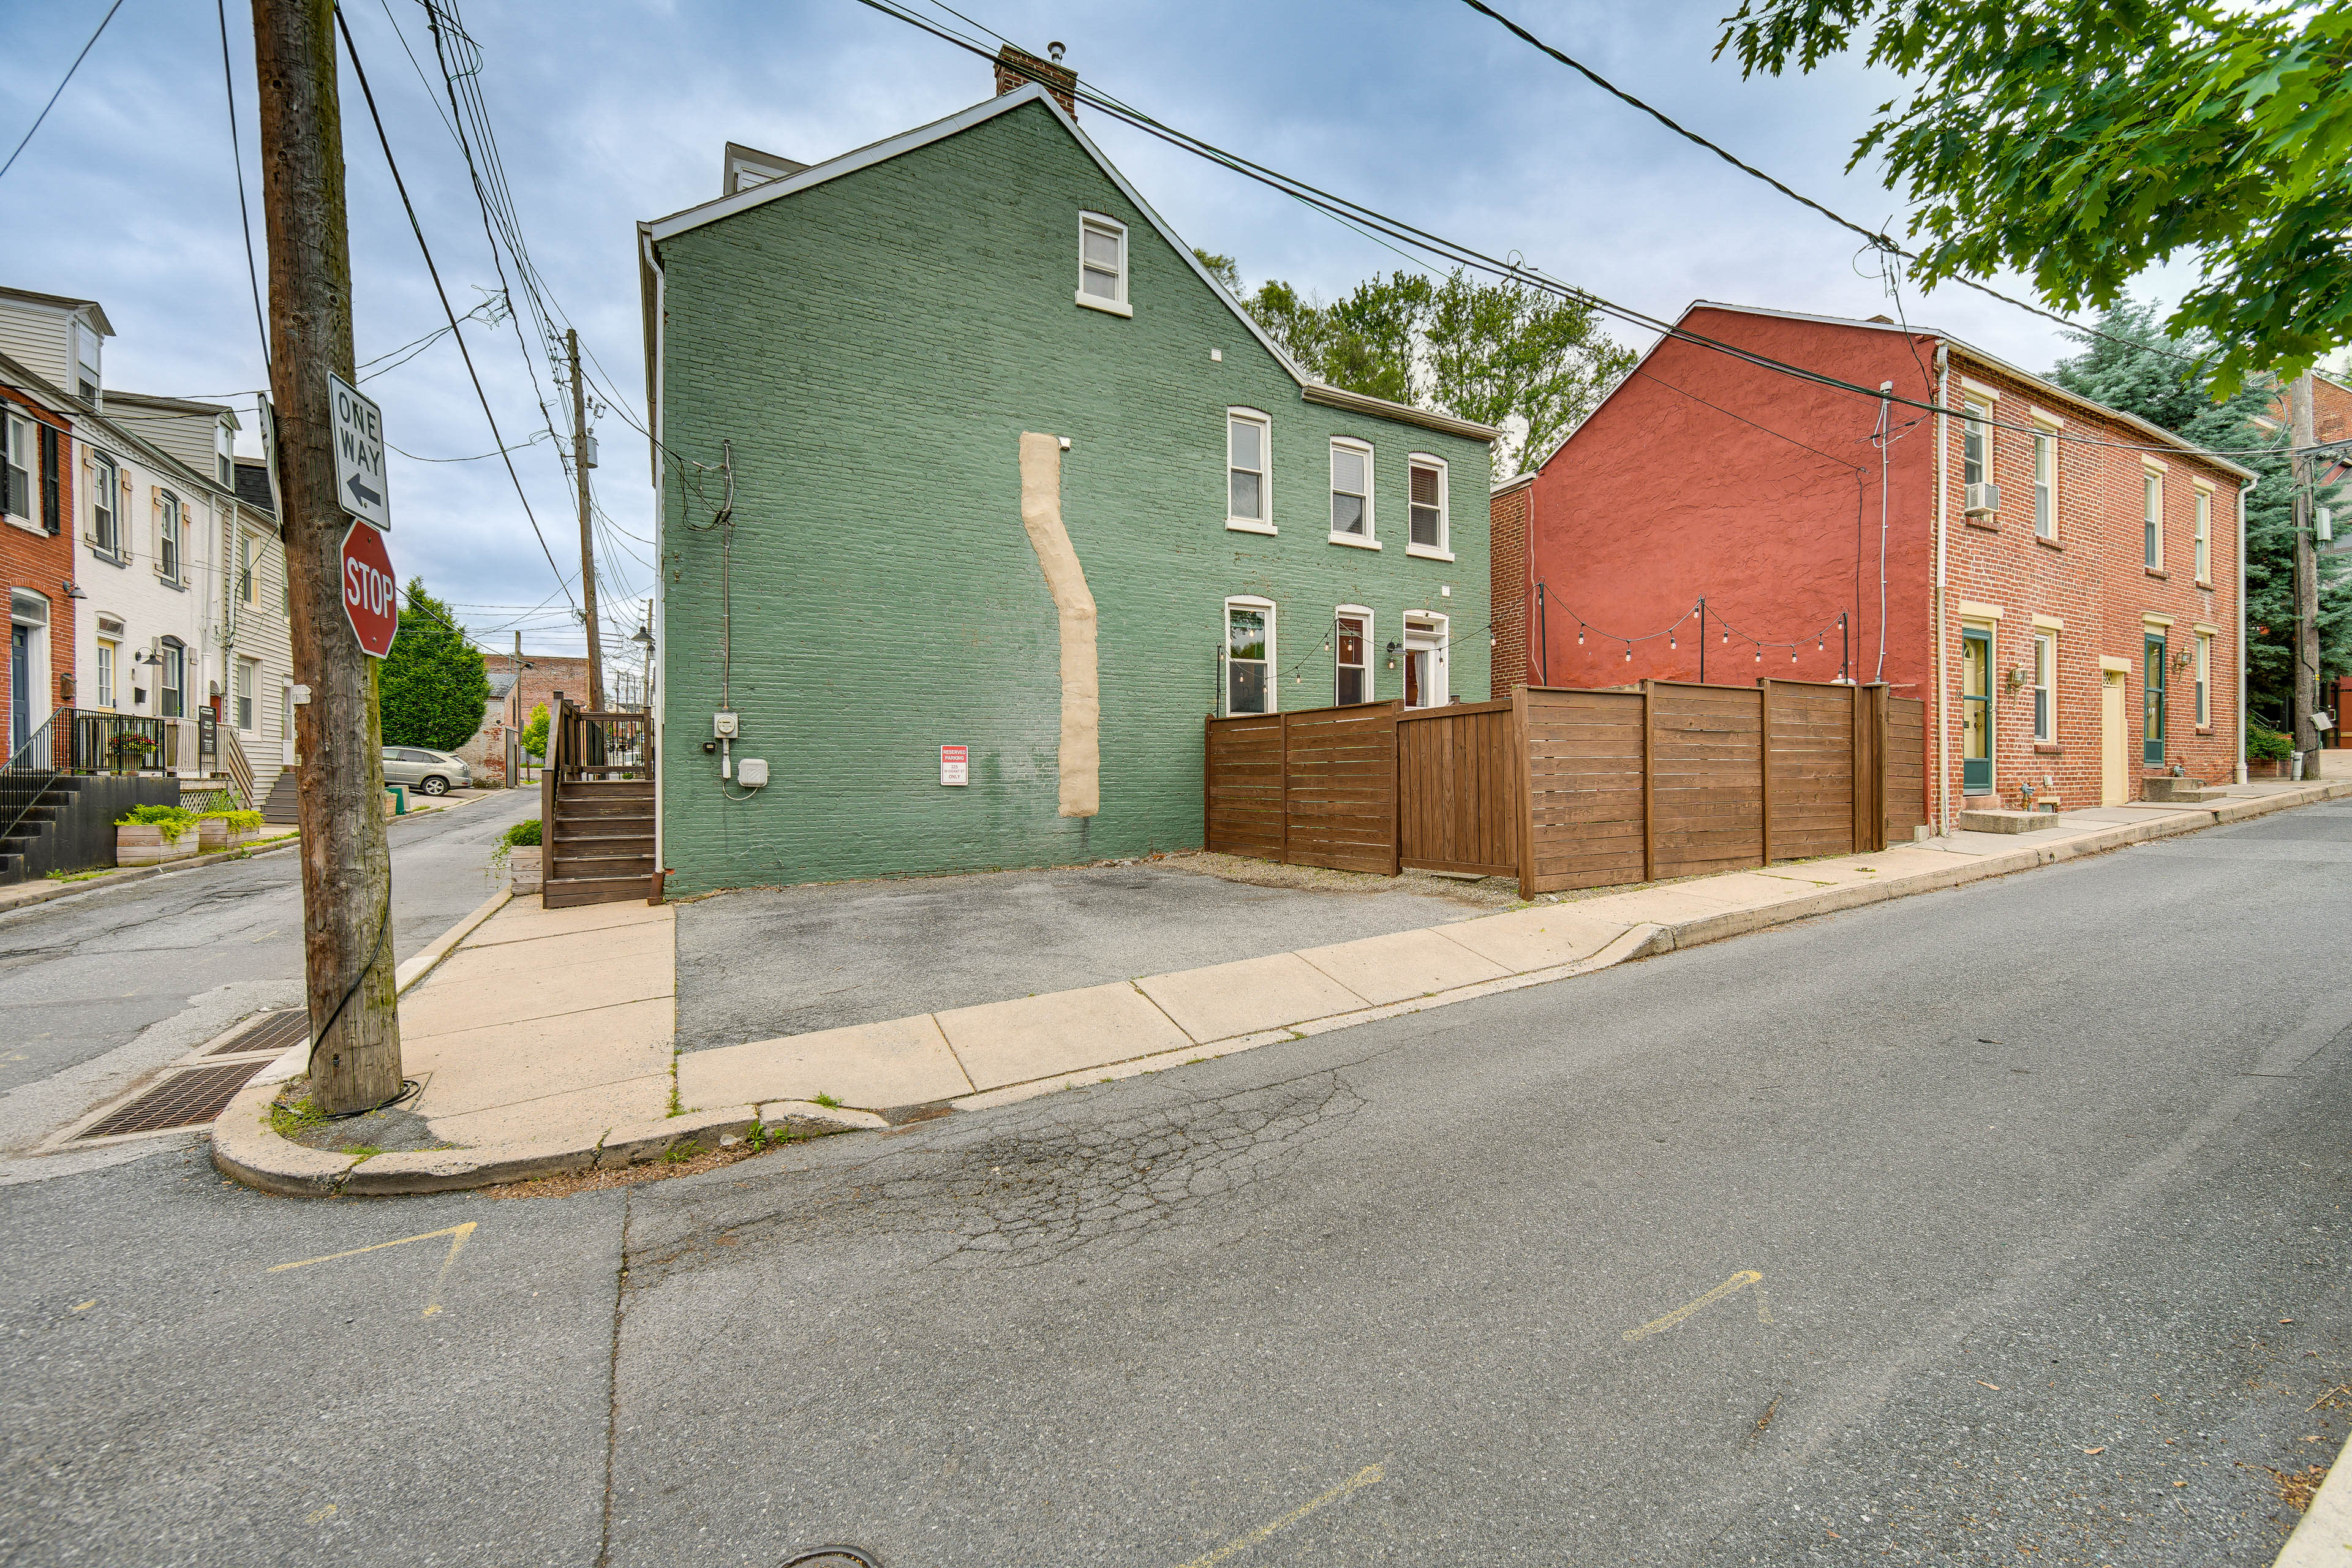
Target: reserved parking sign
x=955, y=764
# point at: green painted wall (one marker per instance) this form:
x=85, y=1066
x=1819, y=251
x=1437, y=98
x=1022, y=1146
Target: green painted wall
x=873, y=347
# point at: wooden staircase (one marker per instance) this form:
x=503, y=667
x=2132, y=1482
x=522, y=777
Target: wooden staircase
x=596, y=809
x=601, y=848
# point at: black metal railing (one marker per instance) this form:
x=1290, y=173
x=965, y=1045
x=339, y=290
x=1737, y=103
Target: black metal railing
x=47, y=753
x=106, y=743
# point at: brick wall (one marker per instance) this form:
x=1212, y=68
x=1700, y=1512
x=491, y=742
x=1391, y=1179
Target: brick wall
x=1508, y=513
x=42, y=563
x=886, y=600
x=2091, y=578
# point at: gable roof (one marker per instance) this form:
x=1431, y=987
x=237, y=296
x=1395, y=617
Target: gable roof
x=2156, y=433
x=114, y=434
x=59, y=303
x=659, y=230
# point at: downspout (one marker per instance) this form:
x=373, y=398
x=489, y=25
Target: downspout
x=660, y=617
x=1942, y=446
x=2243, y=491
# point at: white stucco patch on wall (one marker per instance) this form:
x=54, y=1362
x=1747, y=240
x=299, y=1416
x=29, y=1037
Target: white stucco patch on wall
x=1073, y=608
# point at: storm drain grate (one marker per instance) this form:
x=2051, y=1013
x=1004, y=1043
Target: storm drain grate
x=184, y=1099
x=270, y=1032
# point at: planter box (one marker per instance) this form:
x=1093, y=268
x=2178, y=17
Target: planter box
x=143, y=844
x=2265, y=770
x=523, y=864
x=211, y=834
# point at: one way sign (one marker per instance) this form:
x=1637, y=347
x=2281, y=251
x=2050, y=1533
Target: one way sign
x=359, y=455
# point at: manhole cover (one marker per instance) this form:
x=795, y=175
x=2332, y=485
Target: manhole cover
x=187, y=1098
x=833, y=1557
x=270, y=1032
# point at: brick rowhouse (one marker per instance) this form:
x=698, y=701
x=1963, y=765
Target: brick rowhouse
x=37, y=561
x=1705, y=475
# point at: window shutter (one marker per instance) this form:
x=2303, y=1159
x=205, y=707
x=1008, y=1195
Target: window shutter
x=50, y=478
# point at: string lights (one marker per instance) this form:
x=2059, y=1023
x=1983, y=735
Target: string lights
x=1725, y=632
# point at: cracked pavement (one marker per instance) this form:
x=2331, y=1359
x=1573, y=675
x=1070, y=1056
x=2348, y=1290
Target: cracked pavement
x=2042, y=1182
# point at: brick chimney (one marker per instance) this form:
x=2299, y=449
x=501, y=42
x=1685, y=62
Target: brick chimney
x=1016, y=69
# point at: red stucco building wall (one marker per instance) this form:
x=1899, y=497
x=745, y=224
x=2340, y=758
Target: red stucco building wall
x=1707, y=475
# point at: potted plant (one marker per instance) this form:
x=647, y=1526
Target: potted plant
x=2266, y=752
x=131, y=749
x=150, y=835
x=227, y=829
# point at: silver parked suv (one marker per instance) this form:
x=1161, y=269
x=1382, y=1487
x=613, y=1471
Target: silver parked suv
x=427, y=772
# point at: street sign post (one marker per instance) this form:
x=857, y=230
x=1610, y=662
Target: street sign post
x=371, y=593
x=359, y=454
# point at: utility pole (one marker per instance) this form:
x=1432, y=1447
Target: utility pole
x=347, y=956
x=584, y=457
x=2306, y=579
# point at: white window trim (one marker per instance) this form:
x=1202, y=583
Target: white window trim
x=1976, y=419
x=31, y=464
x=1444, y=549
x=1370, y=665
x=2046, y=733
x=1120, y=306
x=172, y=526
x=1979, y=389
x=2204, y=678
x=1369, y=539
x=2201, y=547
x=1225, y=650
x=104, y=669
x=2046, y=430
x=2151, y=560
x=1436, y=624
x=242, y=702
x=1265, y=423
x=98, y=464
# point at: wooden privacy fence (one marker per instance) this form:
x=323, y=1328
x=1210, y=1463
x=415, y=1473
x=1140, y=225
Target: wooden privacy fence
x=1573, y=789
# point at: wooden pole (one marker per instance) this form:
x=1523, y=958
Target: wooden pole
x=1523, y=765
x=1649, y=784
x=347, y=950
x=580, y=465
x=1764, y=758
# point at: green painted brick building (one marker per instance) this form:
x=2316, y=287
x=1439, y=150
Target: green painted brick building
x=959, y=448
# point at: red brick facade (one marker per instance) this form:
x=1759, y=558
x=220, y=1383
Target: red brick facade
x=1513, y=602
x=39, y=564
x=1707, y=476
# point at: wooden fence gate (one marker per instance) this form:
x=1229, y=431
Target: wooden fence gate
x=1317, y=788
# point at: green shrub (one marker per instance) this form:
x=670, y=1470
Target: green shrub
x=521, y=834
x=239, y=821
x=534, y=732
x=2266, y=745
x=174, y=820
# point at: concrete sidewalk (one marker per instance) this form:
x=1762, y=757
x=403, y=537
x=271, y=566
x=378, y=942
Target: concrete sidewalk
x=545, y=1039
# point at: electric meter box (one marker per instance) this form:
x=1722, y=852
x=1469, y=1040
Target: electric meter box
x=722, y=725
x=751, y=773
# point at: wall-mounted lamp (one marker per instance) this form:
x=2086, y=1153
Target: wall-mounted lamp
x=641, y=637
x=1393, y=653
x=2015, y=679
x=74, y=591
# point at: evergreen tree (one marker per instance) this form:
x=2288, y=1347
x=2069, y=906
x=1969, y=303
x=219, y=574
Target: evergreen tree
x=433, y=688
x=2134, y=376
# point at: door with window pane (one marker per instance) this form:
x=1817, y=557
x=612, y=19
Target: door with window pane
x=1245, y=660
x=1354, y=683
x=2152, y=714
x=1976, y=712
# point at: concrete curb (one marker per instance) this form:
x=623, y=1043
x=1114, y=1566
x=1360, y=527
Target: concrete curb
x=246, y=1147
x=2325, y=1534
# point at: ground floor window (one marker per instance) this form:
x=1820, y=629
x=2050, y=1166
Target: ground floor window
x=171, y=680
x=107, y=652
x=2204, y=680
x=1352, y=641
x=1249, y=655
x=2045, y=687
x=245, y=669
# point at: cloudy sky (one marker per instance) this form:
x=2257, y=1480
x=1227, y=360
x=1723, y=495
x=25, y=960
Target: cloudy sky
x=607, y=111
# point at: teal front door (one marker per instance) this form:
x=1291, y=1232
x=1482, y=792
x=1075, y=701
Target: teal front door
x=2152, y=688
x=1975, y=710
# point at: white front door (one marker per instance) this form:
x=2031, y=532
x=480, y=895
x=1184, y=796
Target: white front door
x=1426, y=684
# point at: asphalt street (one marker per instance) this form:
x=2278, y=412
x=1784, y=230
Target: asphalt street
x=2001, y=1224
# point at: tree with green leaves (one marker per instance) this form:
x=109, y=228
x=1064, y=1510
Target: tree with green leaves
x=1518, y=358
x=2137, y=367
x=534, y=733
x=2081, y=141
x=432, y=688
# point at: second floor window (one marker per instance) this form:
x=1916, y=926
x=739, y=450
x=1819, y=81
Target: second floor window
x=1428, y=484
x=245, y=573
x=1351, y=489
x=1102, y=260
x=105, y=504
x=2204, y=536
x=167, y=536
x=16, y=466
x=2152, y=519
x=2045, y=484
x=1976, y=446
x=1245, y=445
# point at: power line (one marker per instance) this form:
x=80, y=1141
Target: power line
x=1878, y=240
x=237, y=158
x=402, y=186
x=1465, y=255
x=102, y=21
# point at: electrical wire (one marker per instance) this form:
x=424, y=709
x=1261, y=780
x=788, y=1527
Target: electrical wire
x=1465, y=255
x=400, y=185
x=1878, y=240
x=44, y=114
x=237, y=158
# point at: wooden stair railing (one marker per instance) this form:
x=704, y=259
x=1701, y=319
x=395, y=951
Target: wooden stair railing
x=596, y=808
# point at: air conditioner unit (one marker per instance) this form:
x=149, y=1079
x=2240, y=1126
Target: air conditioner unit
x=1983, y=499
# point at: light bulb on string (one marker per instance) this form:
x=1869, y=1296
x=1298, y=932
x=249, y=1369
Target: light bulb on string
x=1821, y=642
x=1580, y=633
x=1792, y=653
x=1670, y=640
x=1760, y=653
x=1628, y=653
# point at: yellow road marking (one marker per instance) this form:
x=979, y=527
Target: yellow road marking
x=320, y=1515
x=1361, y=1478
x=1744, y=1277
x=457, y=1233
x=86, y=1306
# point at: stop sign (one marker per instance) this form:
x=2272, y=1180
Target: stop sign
x=371, y=594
